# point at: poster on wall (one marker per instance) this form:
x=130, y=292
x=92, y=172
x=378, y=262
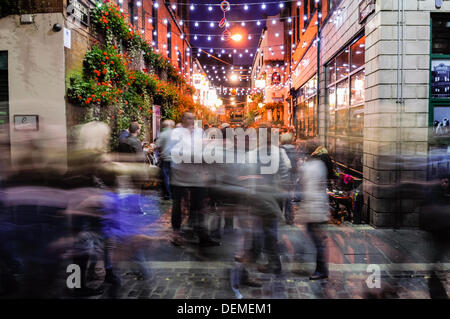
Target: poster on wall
x=441, y=125
x=440, y=78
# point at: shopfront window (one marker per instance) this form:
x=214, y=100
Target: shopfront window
x=331, y=72
x=357, y=121
x=345, y=81
x=342, y=94
x=331, y=109
x=342, y=65
x=357, y=88
x=357, y=54
x=307, y=109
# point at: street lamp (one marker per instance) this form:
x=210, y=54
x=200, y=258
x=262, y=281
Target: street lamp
x=236, y=37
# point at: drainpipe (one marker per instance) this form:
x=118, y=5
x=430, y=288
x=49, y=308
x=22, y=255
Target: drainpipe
x=403, y=51
x=398, y=51
x=400, y=101
x=319, y=11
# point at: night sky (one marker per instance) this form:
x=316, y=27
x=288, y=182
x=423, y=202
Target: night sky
x=254, y=12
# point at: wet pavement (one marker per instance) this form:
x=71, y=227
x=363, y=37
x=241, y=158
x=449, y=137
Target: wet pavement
x=404, y=258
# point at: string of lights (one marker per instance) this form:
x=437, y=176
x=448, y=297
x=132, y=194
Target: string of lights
x=265, y=3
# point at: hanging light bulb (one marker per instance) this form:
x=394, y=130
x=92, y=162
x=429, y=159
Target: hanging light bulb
x=192, y=7
x=209, y=38
x=246, y=7
x=211, y=24
x=210, y=8
x=139, y=3
x=156, y=5
x=263, y=6
x=281, y=5
x=196, y=24
x=195, y=37
x=174, y=6
x=258, y=23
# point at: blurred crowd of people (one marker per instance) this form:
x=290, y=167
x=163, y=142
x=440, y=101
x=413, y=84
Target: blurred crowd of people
x=97, y=209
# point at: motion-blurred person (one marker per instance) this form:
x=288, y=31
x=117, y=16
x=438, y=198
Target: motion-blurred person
x=188, y=177
x=435, y=218
x=291, y=152
x=165, y=147
x=31, y=205
x=270, y=193
x=314, y=211
x=88, y=178
x=322, y=153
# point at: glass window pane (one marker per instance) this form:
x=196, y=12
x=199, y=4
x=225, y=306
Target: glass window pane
x=342, y=121
x=331, y=146
x=342, y=94
x=341, y=152
x=331, y=72
x=355, y=154
x=331, y=108
x=357, y=57
x=441, y=34
x=357, y=89
x=311, y=117
x=357, y=121
x=342, y=67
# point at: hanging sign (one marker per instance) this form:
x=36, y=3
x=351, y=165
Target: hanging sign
x=225, y=6
x=223, y=23
x=366, y=7
x=276, y=78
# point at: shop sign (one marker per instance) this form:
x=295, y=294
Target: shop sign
x=276, y=78
x=366, y=7
x=26, y=122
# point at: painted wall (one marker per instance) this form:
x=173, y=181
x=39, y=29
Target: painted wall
x=36, y=81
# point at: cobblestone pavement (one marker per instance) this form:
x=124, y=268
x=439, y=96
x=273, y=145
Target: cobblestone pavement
x=404, y=257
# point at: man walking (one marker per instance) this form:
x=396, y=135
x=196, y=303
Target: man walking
x=164, y=147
